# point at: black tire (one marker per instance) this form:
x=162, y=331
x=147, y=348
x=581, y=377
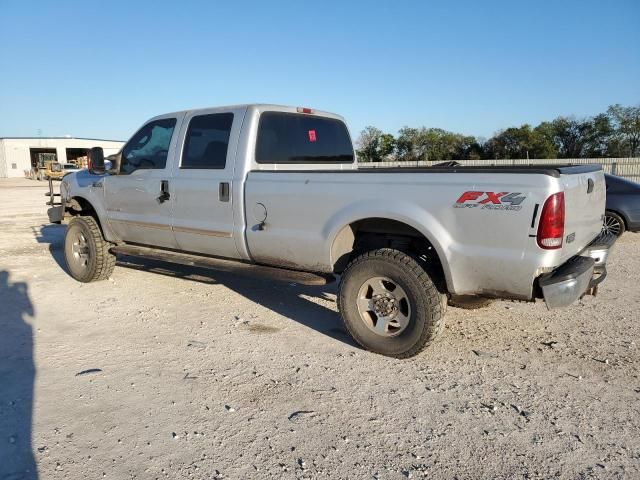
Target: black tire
x=422, y=304
x=86, y=253
x=469, y=302
x=613, y=224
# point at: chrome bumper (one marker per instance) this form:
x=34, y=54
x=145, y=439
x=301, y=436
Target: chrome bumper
x=579, y=276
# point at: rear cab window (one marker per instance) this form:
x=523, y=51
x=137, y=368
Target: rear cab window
x=293, y=138
x=207, y=141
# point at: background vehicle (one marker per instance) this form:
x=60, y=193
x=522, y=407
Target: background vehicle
x=70, y=168
x=276, y=190
x=40, y=164
x=51, y=170
x=623, y=206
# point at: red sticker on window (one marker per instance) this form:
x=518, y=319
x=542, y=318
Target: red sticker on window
x=312, y=135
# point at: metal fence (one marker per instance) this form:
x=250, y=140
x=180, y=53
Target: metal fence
x=622, y=167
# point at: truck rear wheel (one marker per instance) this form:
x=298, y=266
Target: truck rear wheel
x=86, y=252
x=389, y=303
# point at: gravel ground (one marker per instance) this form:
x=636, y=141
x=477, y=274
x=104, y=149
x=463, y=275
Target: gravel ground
x=172, y=372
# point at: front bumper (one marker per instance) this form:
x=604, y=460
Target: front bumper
x=56, y=214
x=579, y=276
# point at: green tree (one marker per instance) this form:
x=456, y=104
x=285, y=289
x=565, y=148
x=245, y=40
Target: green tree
x=467, y=148
x=570, y=136
x=600, y=141
x=368, y=145
x=626, y=123
x=521, y=142
x=615, y=133
x=386, y=146
x=410, y=145
x=438, y=144
x=543, y=141
x=435, y=144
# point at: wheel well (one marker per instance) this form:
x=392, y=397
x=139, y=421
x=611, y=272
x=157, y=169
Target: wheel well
x=80, y=206
x=373, y=233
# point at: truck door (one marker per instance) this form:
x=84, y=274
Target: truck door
x=203, y=183
x=139, y=199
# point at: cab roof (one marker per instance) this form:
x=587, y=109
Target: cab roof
x=261, y=107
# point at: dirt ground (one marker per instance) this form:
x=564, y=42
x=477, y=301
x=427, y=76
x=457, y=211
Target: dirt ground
x=173, y=372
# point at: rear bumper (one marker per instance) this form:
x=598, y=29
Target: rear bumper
x=579, y=276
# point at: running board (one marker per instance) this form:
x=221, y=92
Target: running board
x=223, y=265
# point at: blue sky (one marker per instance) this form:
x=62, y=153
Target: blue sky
x=100, y=69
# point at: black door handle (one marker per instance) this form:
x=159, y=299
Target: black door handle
x=223, y=191
x=164, y=191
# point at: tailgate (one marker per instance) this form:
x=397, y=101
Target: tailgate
x=584, y=196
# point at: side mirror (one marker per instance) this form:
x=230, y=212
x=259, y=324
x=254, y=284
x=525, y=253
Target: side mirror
x=96, y=161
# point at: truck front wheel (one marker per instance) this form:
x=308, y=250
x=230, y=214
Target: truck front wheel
x=86, y=252
x=389, y=303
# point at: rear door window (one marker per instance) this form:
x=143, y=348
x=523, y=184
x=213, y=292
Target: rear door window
x=207, y=141
x=300, y=138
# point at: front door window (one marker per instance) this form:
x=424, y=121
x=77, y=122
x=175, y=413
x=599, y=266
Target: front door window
x=149, y=147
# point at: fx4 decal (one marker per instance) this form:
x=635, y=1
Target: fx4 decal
x=491, y=200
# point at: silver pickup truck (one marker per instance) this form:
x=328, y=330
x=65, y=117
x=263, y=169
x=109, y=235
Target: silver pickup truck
x=276, y=191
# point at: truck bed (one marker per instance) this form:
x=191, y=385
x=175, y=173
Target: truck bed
x=308, y=208
x=551, y=170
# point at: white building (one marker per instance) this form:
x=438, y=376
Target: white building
x=18, y=155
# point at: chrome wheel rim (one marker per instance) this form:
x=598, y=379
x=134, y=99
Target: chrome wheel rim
x=384, y=306
x=80, y=250
x=611, y=225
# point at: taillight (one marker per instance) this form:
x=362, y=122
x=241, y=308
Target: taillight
x=304, y=110
x=551, y=224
